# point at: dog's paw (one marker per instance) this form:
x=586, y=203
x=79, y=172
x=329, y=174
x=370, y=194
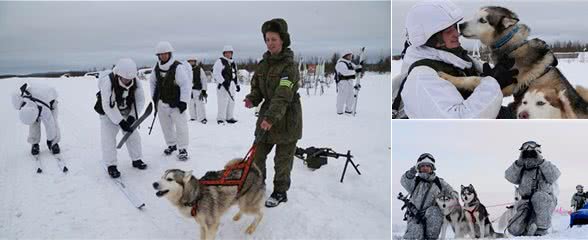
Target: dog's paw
x=251, y=229
x=237, y=216
x=444, y=76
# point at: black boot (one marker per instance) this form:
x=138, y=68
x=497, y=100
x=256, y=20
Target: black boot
x=55, y=149
x=204, y=121
x=540, y=232
x=35, y=149
x=220, y=122
x=113, y=172
x=231, y=121
x=275, y=199
x=183, y=155
x=139, y=164
x=170, y=150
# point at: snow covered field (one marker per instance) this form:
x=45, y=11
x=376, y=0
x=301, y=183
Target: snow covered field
x=85, y=203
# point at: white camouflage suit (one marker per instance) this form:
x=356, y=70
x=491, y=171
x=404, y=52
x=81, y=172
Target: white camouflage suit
x=433, y=217
x=109, y=127
x=173, y=123
x=345, y=91
x=197, y=107
x=47, y=116
x=535, y=178
x=226, y=105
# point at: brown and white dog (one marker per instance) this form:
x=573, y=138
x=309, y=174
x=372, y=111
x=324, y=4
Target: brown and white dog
x=206, y=204
x=499, y=28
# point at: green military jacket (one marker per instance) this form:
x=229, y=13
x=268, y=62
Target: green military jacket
x=275, y=82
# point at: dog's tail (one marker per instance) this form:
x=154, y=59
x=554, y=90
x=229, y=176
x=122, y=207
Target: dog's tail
x=583, y=92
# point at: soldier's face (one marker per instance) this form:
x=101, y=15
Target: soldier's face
x=163, y=57
x=228, y=55
x=425, y=168
x=273, y=42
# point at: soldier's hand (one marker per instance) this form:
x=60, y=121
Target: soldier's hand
x=248, y=103
x=182, y=106
x=265, y=125
x=125, y=126
x=238, y=88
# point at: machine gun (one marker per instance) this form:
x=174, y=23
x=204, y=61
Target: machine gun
x=317, y=157
x=411, y=210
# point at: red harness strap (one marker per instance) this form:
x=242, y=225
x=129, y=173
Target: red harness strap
x=472, y=213
x=194, y=209
x=245, y=165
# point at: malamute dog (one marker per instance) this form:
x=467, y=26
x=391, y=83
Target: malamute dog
x=184, y=191
x=448, y=202
x=476, y=215
x=499, y=28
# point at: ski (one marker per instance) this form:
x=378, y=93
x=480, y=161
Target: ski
x=38, y=162
x=61, y=163
x=136, y=124
x=358, y=77
x=128, y=194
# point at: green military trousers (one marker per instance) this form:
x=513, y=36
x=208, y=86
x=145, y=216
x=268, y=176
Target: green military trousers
x=283, y=160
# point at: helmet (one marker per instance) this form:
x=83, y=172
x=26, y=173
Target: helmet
x=345, y=52
x=125, y=68
x=28, y=113
x=426, y=158
x=530, y=145
x=429, y=17
x=228, y=48
x=192, y=58
x=163, y=47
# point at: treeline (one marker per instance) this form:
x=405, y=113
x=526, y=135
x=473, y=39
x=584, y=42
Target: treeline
x=569, y=46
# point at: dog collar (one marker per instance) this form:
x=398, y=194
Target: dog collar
x=506, y=38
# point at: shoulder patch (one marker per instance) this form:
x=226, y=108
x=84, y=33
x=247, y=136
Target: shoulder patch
x=285, y=80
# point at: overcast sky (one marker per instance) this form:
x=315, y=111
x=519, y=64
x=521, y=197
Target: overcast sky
x=51, y=36
x=548, y=20
x=478, y=153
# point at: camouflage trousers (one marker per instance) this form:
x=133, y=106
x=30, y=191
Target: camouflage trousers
x=283, y=160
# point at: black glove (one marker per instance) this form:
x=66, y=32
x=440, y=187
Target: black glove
x=357, y=86
x=411, y=173
x=182, y=107
x=203, y=95
x=131, y=120
x=358, y=70
x=238, y=88
x=125, y=126
x=219, y=86
x=49, y=144
x=502, y=72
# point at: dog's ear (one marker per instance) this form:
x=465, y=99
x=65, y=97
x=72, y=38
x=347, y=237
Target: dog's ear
x=462, y=187
x=508, y=21
x=187, y=176
x=471, y=186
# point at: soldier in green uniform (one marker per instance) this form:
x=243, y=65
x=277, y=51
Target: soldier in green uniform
x=276, y=84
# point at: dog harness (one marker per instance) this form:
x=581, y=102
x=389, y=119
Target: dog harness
x=244, y=165
x=472, y=213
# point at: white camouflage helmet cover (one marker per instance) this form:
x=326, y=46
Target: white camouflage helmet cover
x=126, y=68
x=428, y=17
x=228, y=48
x=163, y=47
x=28, y=113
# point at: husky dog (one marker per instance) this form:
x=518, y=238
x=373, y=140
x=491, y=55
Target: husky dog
x=499, y=28
x=505, y=218
x=206, y=204
x=448, y=202
x=476, y=215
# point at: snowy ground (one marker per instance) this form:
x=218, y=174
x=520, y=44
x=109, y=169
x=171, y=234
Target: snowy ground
x=572, y=69
x=86, y=204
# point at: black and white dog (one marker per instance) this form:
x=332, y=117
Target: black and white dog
x=476, y=215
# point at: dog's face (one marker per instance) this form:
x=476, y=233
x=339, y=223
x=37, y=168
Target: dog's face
x=446, y=200
x=488, y=24
x=540, y=103
x=468, y=193
x=171, y=184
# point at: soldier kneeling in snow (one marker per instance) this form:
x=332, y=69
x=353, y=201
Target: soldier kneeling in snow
x=36, y=104
x=118, y=102
x=423, y=187
x=535, y=178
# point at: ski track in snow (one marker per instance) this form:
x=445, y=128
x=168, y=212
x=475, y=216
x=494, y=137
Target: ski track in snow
x=85, y=203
